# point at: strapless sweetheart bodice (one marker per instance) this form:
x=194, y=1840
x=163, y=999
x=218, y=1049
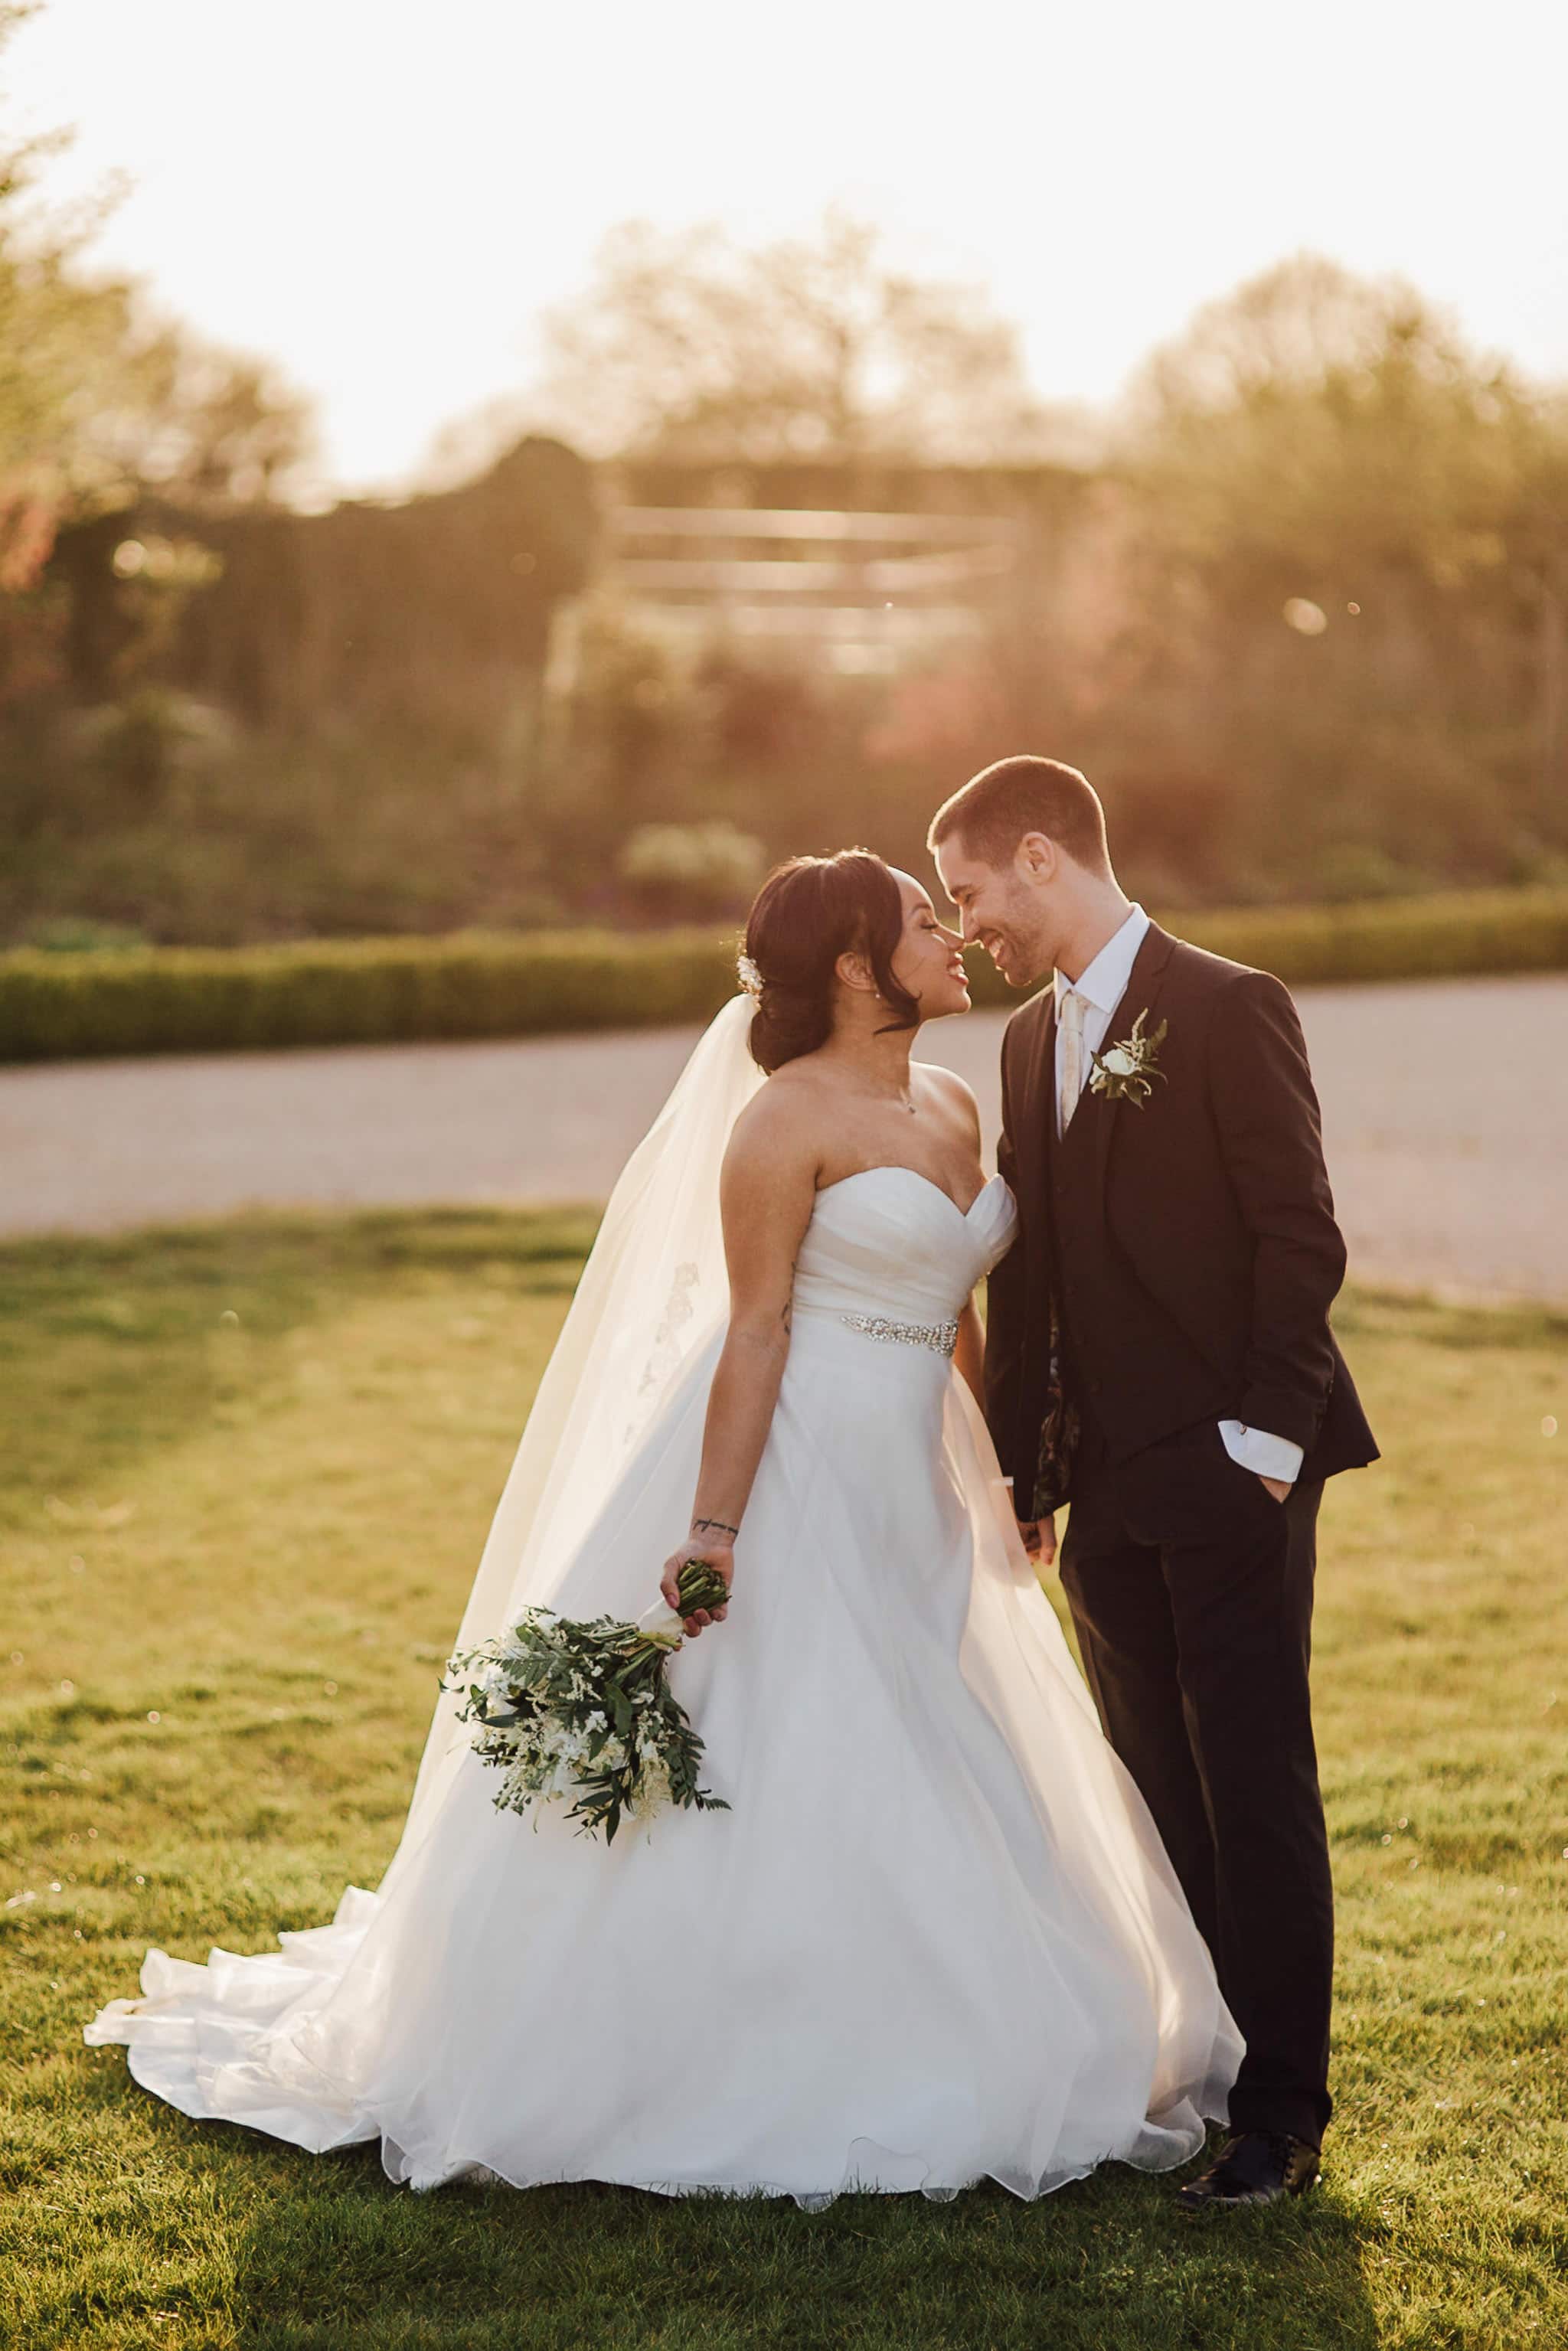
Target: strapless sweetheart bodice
x=888, y=1241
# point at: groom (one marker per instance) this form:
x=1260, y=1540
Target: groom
x=1158, y=1353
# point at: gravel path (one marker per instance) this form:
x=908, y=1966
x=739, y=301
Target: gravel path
x=1445, y=1109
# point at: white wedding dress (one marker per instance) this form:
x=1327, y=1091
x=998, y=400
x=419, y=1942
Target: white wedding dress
x=936, y=1938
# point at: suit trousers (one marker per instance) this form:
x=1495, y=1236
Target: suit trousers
x=1191, y=1589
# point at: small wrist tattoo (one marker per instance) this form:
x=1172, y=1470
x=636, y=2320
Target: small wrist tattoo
x=713, y=1527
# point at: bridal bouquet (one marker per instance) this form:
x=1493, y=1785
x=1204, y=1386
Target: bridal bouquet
x=567, y=1708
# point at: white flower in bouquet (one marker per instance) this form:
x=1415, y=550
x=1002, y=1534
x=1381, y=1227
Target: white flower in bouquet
x=654, y=1790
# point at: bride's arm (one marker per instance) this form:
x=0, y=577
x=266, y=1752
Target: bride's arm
x=969, y=1355
x=766, y=1192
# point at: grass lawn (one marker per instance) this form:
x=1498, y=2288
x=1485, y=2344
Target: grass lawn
x=248, y=1471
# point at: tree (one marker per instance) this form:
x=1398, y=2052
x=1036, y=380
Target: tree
x=99, y=398
x=1346, y=568
x=1314, y=424
x=690, y=344
x=198, y=424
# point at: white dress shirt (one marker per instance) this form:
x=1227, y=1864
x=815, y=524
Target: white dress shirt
x=1101, y=987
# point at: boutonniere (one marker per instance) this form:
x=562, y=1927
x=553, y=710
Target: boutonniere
x=1124, y=1073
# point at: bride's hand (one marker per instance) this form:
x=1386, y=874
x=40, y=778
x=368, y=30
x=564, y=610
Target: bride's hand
x=720, y=1557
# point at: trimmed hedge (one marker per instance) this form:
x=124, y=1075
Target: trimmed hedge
x=1455, y=935
x=1461, y=935
x=356, y=991
x=476, y=984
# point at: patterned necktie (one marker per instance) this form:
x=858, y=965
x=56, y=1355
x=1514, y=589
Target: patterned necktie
x=1074, y=1007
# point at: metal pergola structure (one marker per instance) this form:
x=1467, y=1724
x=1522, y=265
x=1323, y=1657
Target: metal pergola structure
x=868, y=590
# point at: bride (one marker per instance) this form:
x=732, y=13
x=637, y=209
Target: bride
x=935, y=1936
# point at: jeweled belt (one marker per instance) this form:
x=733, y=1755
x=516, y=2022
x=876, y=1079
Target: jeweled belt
x=940, y=1337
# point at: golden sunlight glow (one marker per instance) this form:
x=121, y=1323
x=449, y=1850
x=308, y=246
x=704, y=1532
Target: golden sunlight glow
x=382, y=199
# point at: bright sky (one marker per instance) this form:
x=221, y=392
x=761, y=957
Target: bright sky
x=383, y=194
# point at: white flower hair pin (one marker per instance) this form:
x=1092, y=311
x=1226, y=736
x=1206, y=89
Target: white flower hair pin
x=1125, y=1072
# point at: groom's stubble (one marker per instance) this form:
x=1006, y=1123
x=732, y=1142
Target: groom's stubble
x=1023, y=854
x=1005, y=911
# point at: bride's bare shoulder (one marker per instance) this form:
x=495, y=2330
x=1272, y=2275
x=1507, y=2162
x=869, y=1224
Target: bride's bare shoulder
x=784, y=1120
x=947, y=1083
x=955, y=1095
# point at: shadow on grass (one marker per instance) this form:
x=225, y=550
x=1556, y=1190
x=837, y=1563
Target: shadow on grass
x=113, y=1348
x=343, y=2259
x=1414, y=1315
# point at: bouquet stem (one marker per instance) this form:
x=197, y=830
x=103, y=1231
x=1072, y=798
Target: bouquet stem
x=700, y=1586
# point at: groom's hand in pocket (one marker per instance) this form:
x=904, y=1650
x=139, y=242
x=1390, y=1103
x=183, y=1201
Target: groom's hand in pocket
x=1039, y=1538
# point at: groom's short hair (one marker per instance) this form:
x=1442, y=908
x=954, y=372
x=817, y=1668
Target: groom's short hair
x=994, y=810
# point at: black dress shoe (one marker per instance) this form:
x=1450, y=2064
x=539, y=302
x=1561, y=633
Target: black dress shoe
x=1254, y=2168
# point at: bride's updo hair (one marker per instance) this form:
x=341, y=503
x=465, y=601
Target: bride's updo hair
x=807, y=914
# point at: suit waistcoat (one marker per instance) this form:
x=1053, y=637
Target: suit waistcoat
x=1134, y=1369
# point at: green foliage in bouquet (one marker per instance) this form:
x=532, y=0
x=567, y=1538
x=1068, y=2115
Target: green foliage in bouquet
x=564, y=1707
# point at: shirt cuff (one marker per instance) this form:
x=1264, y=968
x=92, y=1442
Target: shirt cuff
x=1254, y=1449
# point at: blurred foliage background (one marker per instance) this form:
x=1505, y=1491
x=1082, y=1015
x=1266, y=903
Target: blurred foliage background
x=1299, y=608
